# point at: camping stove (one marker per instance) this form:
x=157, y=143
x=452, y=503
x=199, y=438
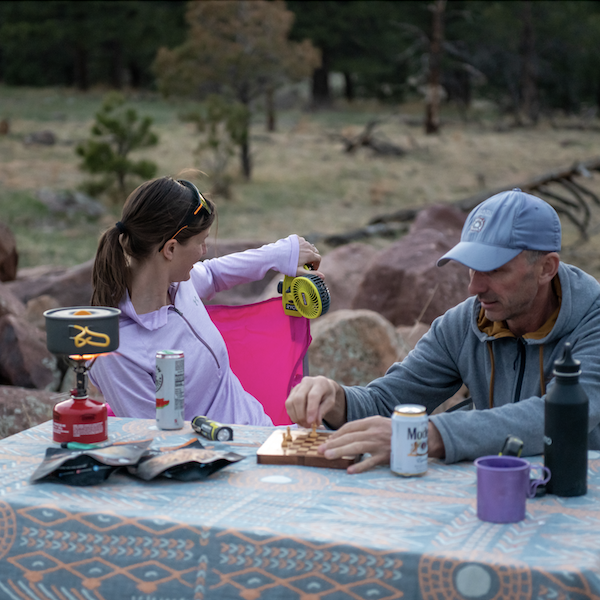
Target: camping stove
x=81, y=333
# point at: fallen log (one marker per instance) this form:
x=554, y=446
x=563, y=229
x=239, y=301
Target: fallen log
x=568, y=195
x=562, y=188
x=368, y=138
x=391, y=230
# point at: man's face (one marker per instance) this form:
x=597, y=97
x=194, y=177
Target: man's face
x=508, y=293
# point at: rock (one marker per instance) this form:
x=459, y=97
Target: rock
x=68, y=286
x=44, y=138
x=404, y=284
x=4, y=127
x=222, y=247
x=408, y=336
x=9, y=257
x=24, y=359
x=441, y=217
x=344, y=268
x=34, y=311
x=70, y=203
x=22, y=408
x=352, y=347
x=9, y=303
x=246, y=293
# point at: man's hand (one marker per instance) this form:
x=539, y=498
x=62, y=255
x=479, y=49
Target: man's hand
x=314, y=399
x=435, y=443
x=372, y=435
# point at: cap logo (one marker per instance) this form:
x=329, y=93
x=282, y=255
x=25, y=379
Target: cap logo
x=477, y=224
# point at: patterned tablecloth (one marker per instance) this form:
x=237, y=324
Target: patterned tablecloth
x=258, y=531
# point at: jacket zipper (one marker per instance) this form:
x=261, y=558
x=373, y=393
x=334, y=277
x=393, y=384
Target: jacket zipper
x=196, y=334
x=521, y=347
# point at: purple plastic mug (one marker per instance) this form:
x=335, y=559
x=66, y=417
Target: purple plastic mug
x=503, y=485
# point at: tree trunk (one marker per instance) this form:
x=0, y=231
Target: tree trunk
x=270, y=107
x=433, y=100
x=244, y=144
x=245, y=158
x=135, y=74
x=349, y=86
x=115, y=54
x=321, y=92
x=80, y=68
x=529, y=106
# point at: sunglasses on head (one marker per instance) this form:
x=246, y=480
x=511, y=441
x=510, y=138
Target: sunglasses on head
x=202, y=205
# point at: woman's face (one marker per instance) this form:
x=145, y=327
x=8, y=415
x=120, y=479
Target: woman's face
x=187, y=254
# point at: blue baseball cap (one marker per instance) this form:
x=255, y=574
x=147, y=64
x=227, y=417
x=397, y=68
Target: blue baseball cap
x=502, y=227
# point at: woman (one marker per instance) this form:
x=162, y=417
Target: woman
x=148, y=266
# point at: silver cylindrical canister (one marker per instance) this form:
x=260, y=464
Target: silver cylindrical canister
x=409, y=440
x=170, y=397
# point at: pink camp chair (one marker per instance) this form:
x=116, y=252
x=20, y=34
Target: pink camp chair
x=267, y=351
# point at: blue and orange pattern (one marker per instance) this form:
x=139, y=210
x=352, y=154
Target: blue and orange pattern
x=271, y=532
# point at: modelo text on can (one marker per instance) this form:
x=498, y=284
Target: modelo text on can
x=409, y=440
x=170, y=396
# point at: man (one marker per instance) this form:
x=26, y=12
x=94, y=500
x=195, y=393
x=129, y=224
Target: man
x=501, y=343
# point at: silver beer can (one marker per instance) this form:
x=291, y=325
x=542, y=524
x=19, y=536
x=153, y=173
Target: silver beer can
x=409, y=440
x=170, y=397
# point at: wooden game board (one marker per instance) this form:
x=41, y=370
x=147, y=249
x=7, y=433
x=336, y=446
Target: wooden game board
x=301, y=450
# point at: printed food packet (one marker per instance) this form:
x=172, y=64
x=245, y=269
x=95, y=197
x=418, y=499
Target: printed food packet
x=87, y=467
x=188, y=462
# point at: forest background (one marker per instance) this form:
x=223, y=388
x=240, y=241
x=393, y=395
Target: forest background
x=354, y=109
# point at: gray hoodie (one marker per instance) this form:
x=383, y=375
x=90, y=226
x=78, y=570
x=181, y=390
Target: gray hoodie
x=455, y=351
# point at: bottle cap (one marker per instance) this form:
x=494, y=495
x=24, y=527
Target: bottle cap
x=567, y=365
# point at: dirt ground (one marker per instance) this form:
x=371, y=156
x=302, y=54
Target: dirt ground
x=303, y=181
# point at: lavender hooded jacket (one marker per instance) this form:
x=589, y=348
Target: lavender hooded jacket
x=456, y=351
x=126, y=378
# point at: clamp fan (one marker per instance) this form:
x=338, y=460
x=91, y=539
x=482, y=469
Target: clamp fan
x=304, y=296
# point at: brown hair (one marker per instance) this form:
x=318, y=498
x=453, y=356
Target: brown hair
x=152, y=215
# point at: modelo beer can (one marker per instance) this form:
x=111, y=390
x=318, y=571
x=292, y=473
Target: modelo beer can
x=409, y=440
x=170, y=397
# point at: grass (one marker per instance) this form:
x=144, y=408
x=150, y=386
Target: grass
x=41, y=237
x=303, y=181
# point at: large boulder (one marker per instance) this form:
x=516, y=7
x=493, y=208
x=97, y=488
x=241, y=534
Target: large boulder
x=245, y=293
x=407, y=339
x=72, y=286
x=22, y=408
x=36, y=307
x=344, y=268
x=352, y=347
x=68, y=286
x=9, y=257
x=24, y=359
x=442, y=217
x=9, y=303
x=403, y=282
x=408, y=336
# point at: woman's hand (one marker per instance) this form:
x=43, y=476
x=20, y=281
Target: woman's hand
x=308, y=255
